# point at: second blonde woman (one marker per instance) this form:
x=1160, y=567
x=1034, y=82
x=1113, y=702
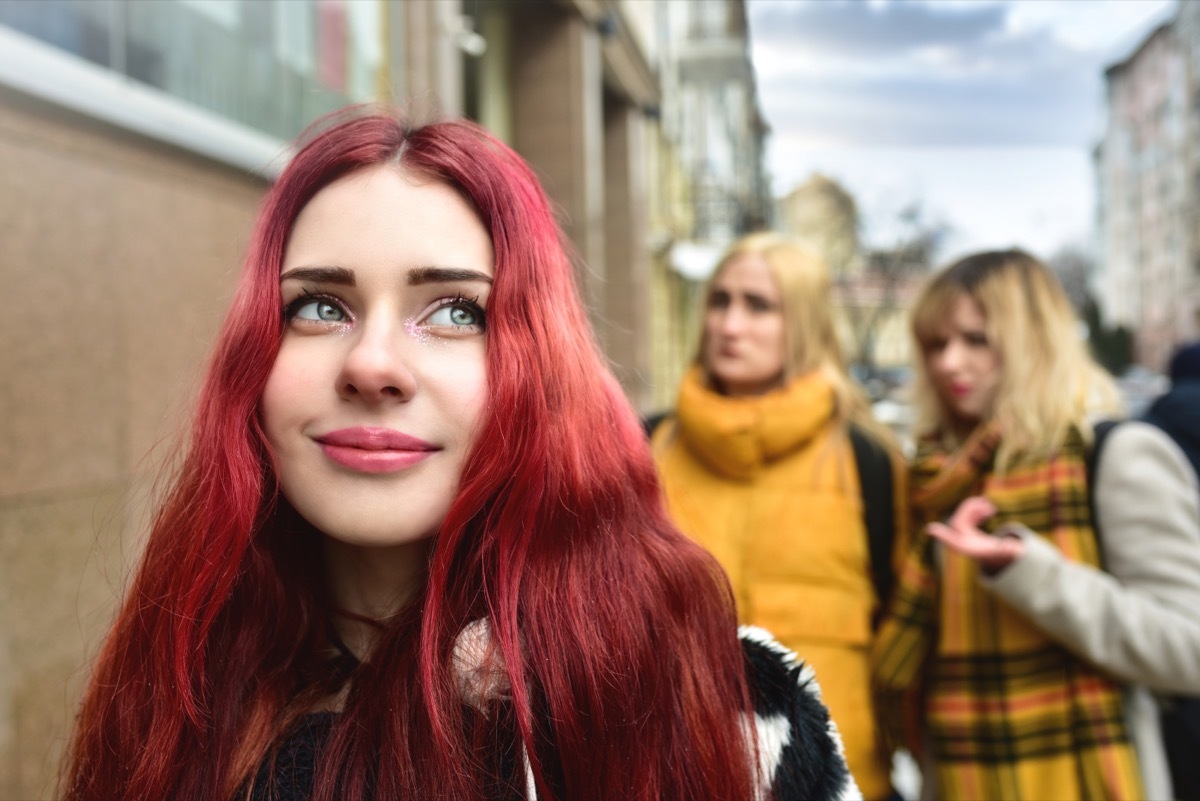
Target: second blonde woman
x=1022, y=624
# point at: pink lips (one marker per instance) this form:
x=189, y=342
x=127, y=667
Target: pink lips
x=374, y=450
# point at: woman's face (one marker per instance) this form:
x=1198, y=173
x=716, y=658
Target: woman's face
x=963, y=364
x=744, y=346
x=380, y=381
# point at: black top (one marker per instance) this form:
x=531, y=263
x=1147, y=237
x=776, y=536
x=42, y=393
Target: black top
x=295, y=766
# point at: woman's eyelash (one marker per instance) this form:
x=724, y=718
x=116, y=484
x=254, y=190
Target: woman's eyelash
x=461, y=299
x=306, y=297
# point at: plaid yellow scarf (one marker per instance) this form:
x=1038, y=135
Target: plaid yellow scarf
x=1007, y=713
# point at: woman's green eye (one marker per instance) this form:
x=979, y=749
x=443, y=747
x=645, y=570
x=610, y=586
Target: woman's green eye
x=320, y=310
x=456, y=315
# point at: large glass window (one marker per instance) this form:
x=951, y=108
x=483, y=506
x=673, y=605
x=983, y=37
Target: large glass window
x=273, y=65
x=82, y=27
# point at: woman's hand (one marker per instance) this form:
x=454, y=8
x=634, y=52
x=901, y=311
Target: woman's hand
x=963, y=535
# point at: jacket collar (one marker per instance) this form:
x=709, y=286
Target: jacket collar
x=736, y=437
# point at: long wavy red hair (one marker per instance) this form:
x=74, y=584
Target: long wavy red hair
x=616, y=633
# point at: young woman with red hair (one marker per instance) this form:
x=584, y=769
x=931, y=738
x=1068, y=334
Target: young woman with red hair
x=416, y=547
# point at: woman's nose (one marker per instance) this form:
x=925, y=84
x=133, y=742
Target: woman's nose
x=950, y=357
x=377, y=365
x=732, y=320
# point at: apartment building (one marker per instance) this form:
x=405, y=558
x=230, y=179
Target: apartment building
x=1148, y=181
x=714, y=186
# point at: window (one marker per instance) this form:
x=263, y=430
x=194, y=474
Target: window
x=271, y=65
x=709, y=19
x=76, y=26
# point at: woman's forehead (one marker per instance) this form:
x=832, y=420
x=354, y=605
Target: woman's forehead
x=746, y=272
x=385, y=215
x=946, y=309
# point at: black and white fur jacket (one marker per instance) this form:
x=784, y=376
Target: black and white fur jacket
x=799, y=748
x=800, y=754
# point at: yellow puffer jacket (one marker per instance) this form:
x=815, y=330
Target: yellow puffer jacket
x=768, y=485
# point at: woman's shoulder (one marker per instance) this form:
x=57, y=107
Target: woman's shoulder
x=779, y=681
x=1143, y=450
x=799, y=748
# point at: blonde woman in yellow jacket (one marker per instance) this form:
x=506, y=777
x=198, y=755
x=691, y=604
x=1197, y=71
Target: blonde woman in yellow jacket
x=757, y=465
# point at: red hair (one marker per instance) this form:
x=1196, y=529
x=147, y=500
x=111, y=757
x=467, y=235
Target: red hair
x=616, y=633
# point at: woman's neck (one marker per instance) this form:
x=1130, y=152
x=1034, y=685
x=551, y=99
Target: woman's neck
x=369, y=585
x=746, y=390
x=957, y=430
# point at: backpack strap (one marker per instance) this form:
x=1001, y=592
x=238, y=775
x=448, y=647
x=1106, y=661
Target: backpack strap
x=1100, y=434
x=650, y=423
x=878, y=500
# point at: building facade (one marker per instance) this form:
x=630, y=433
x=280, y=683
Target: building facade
x=1148, y=181
x=711, y=146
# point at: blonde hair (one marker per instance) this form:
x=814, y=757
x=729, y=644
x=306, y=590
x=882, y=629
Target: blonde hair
x=1048, y=382
x=810, y=331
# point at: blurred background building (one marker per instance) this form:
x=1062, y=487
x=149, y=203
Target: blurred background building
x=875, y=279
x=709, y=185
x=1148, y=181
x=136, y=139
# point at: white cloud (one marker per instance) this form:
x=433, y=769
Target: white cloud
x=1025, y=73
x=1108, y=29
x=987, y=109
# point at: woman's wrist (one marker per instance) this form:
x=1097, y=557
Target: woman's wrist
x=1008, y=548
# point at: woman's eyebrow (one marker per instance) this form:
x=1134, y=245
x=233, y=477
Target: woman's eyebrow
x=320, y=275
x=444, y=275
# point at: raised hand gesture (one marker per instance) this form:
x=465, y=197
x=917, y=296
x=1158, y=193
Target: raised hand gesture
x=963, y=535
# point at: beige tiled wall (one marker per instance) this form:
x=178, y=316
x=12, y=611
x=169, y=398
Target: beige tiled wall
x=117, y=257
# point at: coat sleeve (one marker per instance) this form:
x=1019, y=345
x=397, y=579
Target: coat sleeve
x=800, y=756
x=1139, y=619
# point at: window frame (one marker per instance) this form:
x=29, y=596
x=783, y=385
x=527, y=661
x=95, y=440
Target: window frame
x=43, y=71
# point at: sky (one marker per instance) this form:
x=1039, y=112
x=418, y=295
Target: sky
x=985, y=112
